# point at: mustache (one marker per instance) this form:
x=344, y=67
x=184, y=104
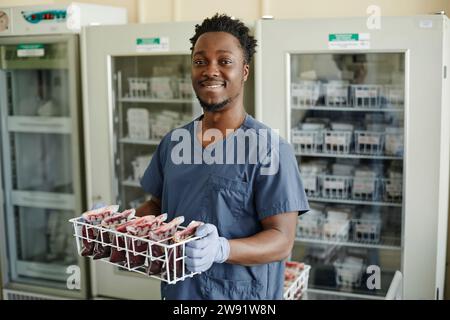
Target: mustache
x=211, y=80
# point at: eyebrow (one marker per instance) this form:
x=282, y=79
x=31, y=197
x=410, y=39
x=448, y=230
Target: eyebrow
x=202, y=52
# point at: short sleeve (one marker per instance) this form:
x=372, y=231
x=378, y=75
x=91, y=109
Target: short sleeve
x=153, y=180
x=280, y=189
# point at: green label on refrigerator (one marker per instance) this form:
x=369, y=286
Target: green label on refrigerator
x=157, y=44
x=354, y=41
x=30, y=50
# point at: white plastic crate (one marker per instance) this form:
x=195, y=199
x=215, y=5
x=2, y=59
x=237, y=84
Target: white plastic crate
x=171, y=259
x=336, y=230
x=138, y=123
x=139, y=88
x=336, y=94
x=184, y=88
x=366, y=230
x=305, y=93
x=311, y=184
x=337, y=142
x=335, y=187
x=349, y=271
x=394, y=141
x=140, y=164
x=310, y=226
x=394, y=96
x=162, y=88
x=306, y=141
x=365, y=188
x=295, y=288
x=369, y=142
x=366, y=95
x=392, y=190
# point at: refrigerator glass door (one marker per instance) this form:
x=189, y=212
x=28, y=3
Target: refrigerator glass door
x=153, y=96
x=347, y=120
x=40, y=159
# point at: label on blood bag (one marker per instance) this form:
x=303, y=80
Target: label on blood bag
x=340, y=185
x=335, y=140
x=303, y=139
x=363, y=185
x=366, y=93
x=375, y=140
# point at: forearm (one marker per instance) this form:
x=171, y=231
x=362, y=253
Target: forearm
x=264, y=247
x=151, y=207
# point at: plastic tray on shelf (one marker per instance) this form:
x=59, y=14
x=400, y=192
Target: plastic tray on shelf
x=295, y=280
x=305, y=93
x=306, y=141
x=394, y=141
x=369, y=142
x=335, y=187
x=309, y=226
x=139, y=88
x=365, y=188
x=366, y=230
x=366, y=95
x=393, y=96
x=311, y=184
x=349, y=271
x=130, y=249
x=336, y=94
x=336, y=141
x=392, y=190
x=336, y=230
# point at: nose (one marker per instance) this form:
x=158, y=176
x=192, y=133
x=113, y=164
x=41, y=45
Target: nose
x=211, y=70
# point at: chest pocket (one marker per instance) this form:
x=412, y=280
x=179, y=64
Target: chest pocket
x=225, y=203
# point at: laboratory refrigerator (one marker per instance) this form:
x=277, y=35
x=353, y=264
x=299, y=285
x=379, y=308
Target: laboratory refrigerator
x=366, y=112
x=42, y=148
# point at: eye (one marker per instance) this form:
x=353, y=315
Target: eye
x=199, y=62
x=226, y=61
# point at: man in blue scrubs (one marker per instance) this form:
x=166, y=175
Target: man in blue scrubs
x=231, y=172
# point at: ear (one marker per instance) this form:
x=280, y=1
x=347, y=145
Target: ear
x=246, y=71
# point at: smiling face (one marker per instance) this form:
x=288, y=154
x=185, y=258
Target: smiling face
x=218, y=71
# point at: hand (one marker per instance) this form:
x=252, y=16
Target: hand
x=202, y=253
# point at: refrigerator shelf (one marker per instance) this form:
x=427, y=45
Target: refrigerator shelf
x=162, y=260
x=147, y=100
x=136, y=141
x=356, y=109
x=386, y=243
x=371, y=203
x=61, y=125
x=349, y=155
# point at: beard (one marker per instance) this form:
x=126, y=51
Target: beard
x=213, y=107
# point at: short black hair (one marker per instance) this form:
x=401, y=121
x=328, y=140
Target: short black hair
x=224, y=23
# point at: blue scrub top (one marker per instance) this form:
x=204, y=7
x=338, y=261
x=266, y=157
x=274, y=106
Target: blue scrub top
x=233, y=195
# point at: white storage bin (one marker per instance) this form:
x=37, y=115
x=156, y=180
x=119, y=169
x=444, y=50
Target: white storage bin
x=335, y=187
x=394, y=96
x=140, y=164
x=392, y=190
x=139, y=88
x=365, y=95
x=161, y=88
x=184, y=88
x=311, y=184
x=367, y=229
x=336, y=94
x=309, y=225
x=138, y=123
x=369, y=142
x=305, y=93
x=306, y=141
x=365, y=188
x=394, y=141
x=336, y=229
x=349, y=271
x=337, y=142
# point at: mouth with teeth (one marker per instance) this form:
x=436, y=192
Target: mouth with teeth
x=212, y=84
